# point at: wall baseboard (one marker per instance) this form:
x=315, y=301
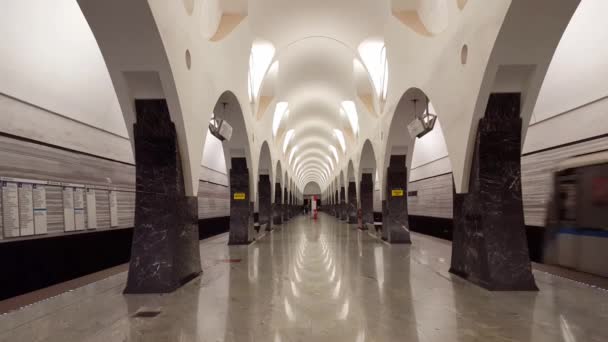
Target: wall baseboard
x=38, y=263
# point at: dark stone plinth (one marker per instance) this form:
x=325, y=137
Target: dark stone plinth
x=395, y=220
x=276, y=207
x=338, y=210
x=343, y=207
x=384, y=214
x=489, y=240
x=265, y=198
x=378, y=222
x=285, y=207
x=165, y=249
x=367, y=199
x=352, y=203
x=241, y=216
x=256, y=222
x=289, y=205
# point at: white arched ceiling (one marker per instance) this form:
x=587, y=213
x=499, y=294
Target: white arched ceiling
x=312, y=188
x=316, y=96
x=317, y=79
x=313, y=57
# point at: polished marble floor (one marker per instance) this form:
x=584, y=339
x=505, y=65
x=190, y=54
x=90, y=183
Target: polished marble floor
x=319, y=281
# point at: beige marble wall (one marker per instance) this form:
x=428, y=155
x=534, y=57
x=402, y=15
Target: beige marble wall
x=29, y=160
x=434, y=197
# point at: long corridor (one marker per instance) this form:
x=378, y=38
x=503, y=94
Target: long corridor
x=319, y=280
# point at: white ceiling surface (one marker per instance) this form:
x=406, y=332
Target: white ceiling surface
x=315, y=44
x=578, y=72
x=51, y=59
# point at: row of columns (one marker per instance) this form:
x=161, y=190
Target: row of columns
x=165, y=248
x=243, y=219
x=489, y=242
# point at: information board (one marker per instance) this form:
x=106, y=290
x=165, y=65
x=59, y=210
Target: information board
x=40, y=209
x=68, y=209
x=79, y=209
x=10, y=209
x=26, y=209
x=91, y=209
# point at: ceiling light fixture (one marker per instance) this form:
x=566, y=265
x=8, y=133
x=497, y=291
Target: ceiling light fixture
x=350, y=109
x=279, y=111
x=293, y=151
x=340, y=136
x=290, y=134
x=334, y=152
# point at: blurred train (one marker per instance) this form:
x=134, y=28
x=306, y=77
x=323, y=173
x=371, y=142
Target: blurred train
x=577, y=220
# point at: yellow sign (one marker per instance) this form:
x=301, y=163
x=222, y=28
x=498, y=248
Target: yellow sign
x=239, y=196
x=397, y=193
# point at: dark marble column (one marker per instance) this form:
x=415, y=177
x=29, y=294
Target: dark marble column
x=240, y=206
x=265, y=199
x=289, y=205
x=352, y=203
x=277, y=206
x=343, y=207
x=285, y=205
x=384, y=225
x=367, y=199
x=396, y=219
x=338, y=211
x=165, y=248
x=489, y=242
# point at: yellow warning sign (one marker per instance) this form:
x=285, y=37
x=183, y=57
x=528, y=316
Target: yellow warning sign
x=397, y=192
x=239, y=196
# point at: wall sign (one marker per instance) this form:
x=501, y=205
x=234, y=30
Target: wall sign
x=397, y=193
x=26, y=209
x=40, y=209
x=79, y=209
x=10, y=209
x=68, y=209
x=91, y=209
x=239, y=196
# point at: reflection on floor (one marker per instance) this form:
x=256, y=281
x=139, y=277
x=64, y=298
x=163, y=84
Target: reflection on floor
x=319, y=281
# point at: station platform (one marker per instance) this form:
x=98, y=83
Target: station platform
x=320, y=280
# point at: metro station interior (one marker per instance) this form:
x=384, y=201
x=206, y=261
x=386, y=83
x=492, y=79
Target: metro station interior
x=281, y=170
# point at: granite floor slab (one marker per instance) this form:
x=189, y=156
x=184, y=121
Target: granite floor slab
x=319, y=280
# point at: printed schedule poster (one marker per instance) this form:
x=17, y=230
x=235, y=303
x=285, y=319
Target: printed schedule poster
x=79, y=209
x=91, y=209
x=10, y=209
x=68, y=209
x=26, y=209
x=113, y=209
x=40, y=209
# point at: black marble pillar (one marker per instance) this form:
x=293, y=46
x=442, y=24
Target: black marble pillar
x=352, y=203
x=265, y=206
x=285, y=206
x=366, y=189
x=489, y=240
x=396, y=219
x=289, y=205
x=336, y=204
x=277, y=206
x=241, y=215
x=343, y=207
x=165, y=249
x=384, y=225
